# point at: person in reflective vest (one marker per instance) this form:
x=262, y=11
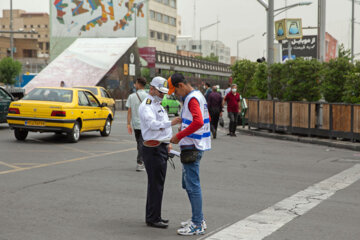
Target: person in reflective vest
x=194, y=138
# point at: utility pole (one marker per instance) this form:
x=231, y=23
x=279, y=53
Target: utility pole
x=352, y=30
x=11, y=32
x=321, y=29
x=194, y=19
x=270, y=39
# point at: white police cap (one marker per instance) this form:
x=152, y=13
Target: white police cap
x=160, y=84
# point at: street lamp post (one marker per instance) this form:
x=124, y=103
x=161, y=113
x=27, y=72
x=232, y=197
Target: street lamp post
x=352, y=30
x=269, y=7
x=202, y=29
x=237, y=45
x=11, y=33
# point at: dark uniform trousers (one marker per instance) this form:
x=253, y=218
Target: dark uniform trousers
x=155, y=160
x=139, y=141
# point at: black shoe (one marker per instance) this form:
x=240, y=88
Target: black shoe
x=214, y=135
x=229, y=134
x=232, y=134
x=165, y=221
x=157, y=224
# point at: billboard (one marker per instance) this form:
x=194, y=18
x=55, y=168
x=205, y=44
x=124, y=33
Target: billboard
x=288, y=28
x=305, y=47
x=98, y=18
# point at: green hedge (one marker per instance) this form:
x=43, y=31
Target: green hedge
x=300, y=80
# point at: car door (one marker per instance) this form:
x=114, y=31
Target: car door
x=5, y=100
x=107, y=98
x=86, y=110
x=98, y=120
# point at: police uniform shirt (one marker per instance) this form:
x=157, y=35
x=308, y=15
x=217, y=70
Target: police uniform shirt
x=154, y=121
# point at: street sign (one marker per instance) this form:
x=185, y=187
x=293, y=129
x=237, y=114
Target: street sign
x=288, y=28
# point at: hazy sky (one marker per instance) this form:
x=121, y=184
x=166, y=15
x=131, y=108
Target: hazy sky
x=242, y=18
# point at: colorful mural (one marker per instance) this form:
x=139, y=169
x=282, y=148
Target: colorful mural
x=98, y=18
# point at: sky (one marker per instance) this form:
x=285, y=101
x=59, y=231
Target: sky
x=240, y=19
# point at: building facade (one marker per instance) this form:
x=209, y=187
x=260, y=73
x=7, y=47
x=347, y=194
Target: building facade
x=209, y=48
x=162, y=25
x=27, y=22
x=152, y=22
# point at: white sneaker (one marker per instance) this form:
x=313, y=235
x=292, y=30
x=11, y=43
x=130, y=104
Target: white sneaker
x=188, y=222
x=191, y=229
x=140, y=168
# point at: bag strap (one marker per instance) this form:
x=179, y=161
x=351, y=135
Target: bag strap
x=138, y=97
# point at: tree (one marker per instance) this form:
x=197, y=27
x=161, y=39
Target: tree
x=302, y=80
x=243, y=73
x=260, y=81
x=344, y=53
x=278, y=80
x=352, y=86
x=211, y=58
x=334, y=72
x=9, y=69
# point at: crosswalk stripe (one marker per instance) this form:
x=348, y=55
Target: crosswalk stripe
x=264, y=223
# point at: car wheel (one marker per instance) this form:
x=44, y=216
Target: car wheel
x=107, y=128
x=178, y=111
x=20, y=134
x=74, y=135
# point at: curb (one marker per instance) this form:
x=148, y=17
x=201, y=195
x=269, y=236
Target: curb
x=324, y=142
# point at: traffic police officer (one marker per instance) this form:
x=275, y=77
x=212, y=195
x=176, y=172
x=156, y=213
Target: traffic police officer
x=155, y=125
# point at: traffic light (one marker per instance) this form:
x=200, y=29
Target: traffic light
x=260, y=60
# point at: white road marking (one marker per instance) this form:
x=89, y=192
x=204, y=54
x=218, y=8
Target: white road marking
x=264, y=223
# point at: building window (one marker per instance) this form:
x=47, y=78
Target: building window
x=31, y=36
x=173, y=39
x=173, y=3
x=31, y=26
x=46, y=35
x=166, y=37
x=159, y=17
x=193, y=47
x=152, y=34
x=25, y=26
x=39, y=36
x=25, y=36
x=166, y=19
x=152, y=15
x=38, y=25
x=172, y=21
x=3, y=26
x=166, y=2
x=159, y=35
x=47, y=46
x=46, y=26
x=41, y=45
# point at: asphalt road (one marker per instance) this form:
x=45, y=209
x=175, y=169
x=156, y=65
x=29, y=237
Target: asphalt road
x=51, y=190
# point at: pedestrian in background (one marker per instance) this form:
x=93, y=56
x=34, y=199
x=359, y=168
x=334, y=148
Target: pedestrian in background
x=155, y=125
x=194, y=138
x=207, y=90
x=133, y=121
x=215, y=109
x=233, y=107
x=228, y=90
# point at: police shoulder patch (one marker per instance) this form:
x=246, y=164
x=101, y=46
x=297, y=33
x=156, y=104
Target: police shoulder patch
x=148, y=101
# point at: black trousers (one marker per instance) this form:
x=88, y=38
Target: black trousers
x=215, y=115
x=139, y=141
x=155, y=160
x=233, y=121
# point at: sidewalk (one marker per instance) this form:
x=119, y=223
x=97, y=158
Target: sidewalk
x=295, y=138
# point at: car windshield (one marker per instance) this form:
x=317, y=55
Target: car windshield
x=92, y=89
x=4, y=95
x=48, y=94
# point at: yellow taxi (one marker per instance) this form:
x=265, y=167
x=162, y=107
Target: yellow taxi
x=60, y=110
x=102, y=95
